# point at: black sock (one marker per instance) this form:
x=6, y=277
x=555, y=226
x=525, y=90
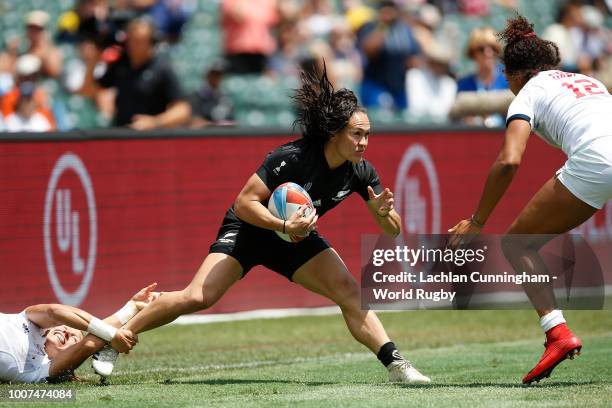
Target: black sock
x=388, y=353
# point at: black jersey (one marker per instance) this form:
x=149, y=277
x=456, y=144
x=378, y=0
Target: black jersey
x=306, y=165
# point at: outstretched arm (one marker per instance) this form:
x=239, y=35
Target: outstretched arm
x=72, y=357
x=500, y=176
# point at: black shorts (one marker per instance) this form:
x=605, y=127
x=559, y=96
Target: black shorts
x=252, y=246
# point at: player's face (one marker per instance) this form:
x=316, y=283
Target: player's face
x=352, y=141
x=59, y=338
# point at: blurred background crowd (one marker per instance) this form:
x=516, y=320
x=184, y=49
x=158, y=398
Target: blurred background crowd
x=149, y=64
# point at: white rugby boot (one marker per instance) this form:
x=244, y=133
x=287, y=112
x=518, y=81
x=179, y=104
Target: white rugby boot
x=403, y=372
x=103, y=361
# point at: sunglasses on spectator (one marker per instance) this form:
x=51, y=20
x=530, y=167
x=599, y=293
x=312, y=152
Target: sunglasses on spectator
x=34, y=27
x=483, y=48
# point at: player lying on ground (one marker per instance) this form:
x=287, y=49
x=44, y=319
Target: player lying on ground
x=328, y=161
x=569, y=111
x=45, y=343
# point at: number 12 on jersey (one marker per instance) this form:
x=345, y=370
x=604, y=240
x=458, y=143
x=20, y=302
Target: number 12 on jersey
x=583, y=87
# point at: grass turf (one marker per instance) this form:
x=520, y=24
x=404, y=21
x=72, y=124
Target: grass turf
x=475, y=358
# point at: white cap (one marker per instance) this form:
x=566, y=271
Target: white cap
x=27, y=64
x=37, y=18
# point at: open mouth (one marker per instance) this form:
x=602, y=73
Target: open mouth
x=60, y=337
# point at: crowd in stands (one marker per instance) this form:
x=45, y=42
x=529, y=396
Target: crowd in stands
x=408, y=58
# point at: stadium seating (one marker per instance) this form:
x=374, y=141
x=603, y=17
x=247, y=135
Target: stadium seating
x=258, y=101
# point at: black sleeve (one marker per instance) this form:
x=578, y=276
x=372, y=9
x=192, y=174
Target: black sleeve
x=278, y=168
x=171, y=86
x=367, y=176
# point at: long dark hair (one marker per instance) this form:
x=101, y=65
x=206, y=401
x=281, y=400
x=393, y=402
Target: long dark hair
x=322, y=111
x=525, y=52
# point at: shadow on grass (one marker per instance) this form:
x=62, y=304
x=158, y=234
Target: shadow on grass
x=238, y=381
x=553, y=384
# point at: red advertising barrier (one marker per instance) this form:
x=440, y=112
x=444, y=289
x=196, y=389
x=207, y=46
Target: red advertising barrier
x=89, y=222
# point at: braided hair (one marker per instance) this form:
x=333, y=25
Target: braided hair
x=322, y=111
x=525, y=52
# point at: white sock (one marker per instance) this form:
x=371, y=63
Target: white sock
x=551, y=320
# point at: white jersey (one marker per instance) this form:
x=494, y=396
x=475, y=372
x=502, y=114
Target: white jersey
x=567, y=110
x=22, y=350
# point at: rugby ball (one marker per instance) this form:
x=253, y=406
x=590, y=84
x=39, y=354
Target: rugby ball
x=284, y=201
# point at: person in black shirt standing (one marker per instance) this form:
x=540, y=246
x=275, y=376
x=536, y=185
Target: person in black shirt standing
x=148, y=92
x=328, y=162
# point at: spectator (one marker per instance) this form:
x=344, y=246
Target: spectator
x=566, y=34
x=484, y=50
x=210, y=106
x=284, y=62
x=148, y=91
x=593, y=40
x=346, y=63
x=431, y=90
x=93, y=26
x=27, y=117
x=248, y=39
x=388, y=45
x=41, y=45
x=25, y=107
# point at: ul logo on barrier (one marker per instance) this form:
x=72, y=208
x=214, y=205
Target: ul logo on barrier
x=417, y=193
x=67, y=225
x=70, y=230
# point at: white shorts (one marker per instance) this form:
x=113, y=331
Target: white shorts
x=588, y=173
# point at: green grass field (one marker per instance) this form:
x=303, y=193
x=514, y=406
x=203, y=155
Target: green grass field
x=474, y=358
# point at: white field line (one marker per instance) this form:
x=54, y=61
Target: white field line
x=257, y=314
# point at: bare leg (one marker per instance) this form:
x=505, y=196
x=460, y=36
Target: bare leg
x=215, y=276
x=327, y=275
x=552, y=210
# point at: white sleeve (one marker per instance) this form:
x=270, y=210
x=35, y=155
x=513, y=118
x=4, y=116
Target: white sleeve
x=35, y=376
x=9, y=371
x=523, y=105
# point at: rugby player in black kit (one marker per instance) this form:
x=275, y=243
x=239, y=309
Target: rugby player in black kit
x=328, y=162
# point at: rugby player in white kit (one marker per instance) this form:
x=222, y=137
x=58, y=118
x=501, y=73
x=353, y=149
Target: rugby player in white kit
x=569, y=111
x=44, y=342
